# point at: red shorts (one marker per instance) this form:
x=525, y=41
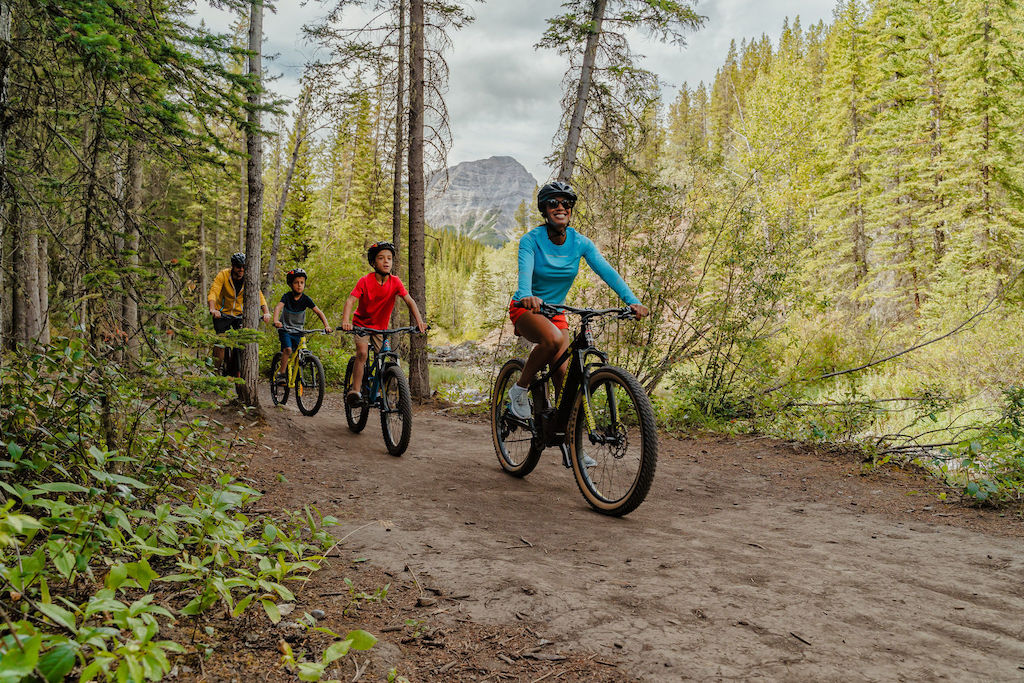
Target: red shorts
x=514, y=312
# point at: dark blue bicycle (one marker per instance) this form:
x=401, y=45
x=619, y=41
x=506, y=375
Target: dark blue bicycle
x=385, y=387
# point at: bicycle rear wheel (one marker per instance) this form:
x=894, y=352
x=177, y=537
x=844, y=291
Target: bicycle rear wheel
x=356, y=417
x=309, y=385
x=278, y=391
x=396, y=411
x=620, y=435
x=513, y=442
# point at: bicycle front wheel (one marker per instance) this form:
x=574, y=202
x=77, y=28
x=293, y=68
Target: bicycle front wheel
x=356, y=417
x=309, y=385
x=396, y=411
x=613, y=442
x=278, y=390
x=513, y=442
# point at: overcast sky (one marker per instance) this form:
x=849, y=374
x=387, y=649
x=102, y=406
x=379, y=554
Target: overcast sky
x=503, y=94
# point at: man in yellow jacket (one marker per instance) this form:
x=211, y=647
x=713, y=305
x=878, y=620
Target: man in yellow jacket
x=226, y=297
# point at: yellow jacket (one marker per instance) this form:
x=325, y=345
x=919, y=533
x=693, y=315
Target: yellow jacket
x=222, y=294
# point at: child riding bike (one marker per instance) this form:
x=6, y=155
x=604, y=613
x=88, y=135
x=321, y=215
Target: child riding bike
x=373, y=298
x=293, y=305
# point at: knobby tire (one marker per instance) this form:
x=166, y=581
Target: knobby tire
x=514, y=445
x=626, y=462
x=396, y=411
x=355, y=417
x=309, y=385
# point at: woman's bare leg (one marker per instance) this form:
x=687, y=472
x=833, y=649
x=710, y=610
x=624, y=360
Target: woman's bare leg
x=550, y=342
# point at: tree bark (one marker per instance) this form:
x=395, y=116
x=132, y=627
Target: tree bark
x=7, y=299
x=396, y=180
x=254, y=205
x=572, y=140
x=133, y=206
x=419, y=378
x=300, y=137
x=204, y=273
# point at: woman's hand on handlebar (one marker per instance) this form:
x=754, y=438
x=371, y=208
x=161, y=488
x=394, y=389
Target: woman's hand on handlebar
x=640, y=311
x=531, y=303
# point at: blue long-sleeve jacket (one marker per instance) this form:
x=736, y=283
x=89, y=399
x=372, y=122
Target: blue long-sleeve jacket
x=547, y=270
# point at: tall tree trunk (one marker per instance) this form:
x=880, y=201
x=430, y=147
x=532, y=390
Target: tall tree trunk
x=7, y=298
x=419, y=377
x=243, y=199
x=43, y=291
x=133, y=206
x=300, y=137
x=396, y=180
x=572, y=140
x=204, y=273
x=254, y=213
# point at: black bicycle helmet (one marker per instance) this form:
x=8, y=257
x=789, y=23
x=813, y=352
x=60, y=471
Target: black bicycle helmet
x=554, y=189
x=376, y=247
x=294, y=273
x=238, y=259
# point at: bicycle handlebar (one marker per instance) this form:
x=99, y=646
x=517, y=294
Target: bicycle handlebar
x=303, y=333
x=368, y=331
x=553, y=309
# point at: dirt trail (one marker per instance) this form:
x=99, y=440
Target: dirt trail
x=750, y=558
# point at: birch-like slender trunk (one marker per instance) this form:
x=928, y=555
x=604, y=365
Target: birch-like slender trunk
x=132, y=242
x=419, y=377
x=300, y=137
x=572, y=140
x=254, y=205
x=396, y=180
x=7, y=289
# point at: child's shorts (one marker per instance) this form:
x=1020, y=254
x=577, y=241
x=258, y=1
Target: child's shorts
x=514, y=312
x=288, y=340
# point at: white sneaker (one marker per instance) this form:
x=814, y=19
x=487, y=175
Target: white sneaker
x=519, y=402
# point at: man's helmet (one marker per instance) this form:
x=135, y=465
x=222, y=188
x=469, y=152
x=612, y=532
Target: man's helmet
x=554, y=189
x=377, y=247
x=238, y=259
x=292, y=274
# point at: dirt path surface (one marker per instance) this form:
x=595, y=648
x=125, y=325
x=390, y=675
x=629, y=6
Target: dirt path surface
x=750, y=558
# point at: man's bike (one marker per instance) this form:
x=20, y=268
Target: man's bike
x=602, y=421
x=305, y=374
x=386, y=388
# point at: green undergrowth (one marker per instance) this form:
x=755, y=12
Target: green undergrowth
x=119, y=516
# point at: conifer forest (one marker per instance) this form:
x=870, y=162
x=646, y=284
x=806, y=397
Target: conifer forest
x=829, y=235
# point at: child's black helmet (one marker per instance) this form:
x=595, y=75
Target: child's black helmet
x=238, y=259
x=376, y=248
x=292, y=274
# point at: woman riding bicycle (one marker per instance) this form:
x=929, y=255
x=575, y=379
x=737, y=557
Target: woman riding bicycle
x=549, y=260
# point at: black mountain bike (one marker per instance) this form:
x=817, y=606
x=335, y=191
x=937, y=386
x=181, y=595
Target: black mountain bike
x=305, y=374
x=602, y=421
x=386, y=388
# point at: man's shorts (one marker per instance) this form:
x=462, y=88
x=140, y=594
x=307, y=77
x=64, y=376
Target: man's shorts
x=222, y=325
x=288, y=340
x=514, y=312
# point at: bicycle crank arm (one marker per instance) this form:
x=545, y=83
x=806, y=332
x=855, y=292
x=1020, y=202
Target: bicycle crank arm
x=565, y=455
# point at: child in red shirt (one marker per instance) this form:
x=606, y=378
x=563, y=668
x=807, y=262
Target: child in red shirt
x=375, y=295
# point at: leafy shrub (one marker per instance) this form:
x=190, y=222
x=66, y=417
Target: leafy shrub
x=108, y=495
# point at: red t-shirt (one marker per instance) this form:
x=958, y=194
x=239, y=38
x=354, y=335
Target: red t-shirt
x=376, y=301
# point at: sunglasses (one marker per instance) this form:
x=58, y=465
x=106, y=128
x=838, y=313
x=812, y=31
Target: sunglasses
x=555, y=203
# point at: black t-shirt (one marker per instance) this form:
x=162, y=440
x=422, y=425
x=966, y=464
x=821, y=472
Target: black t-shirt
x=294, y=313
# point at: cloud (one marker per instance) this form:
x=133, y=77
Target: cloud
x=504, y=96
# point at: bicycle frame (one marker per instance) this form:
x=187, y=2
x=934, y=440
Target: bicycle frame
x=298, y=353
x=554, y=421
x=373, y=371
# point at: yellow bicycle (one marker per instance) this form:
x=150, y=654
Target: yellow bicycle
x=305, y=375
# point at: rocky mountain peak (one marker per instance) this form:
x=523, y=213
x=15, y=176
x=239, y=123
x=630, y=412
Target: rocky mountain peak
x=480, y=198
